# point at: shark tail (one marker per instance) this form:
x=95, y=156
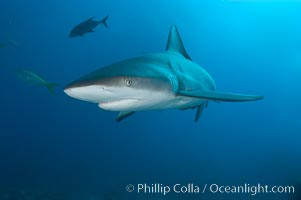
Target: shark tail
x=104, y=21
x=51, y=87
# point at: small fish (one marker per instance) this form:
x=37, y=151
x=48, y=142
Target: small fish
x=34, y=78
x=8, y=43
x=87, y=27
x=12, y=43
x=3, y=45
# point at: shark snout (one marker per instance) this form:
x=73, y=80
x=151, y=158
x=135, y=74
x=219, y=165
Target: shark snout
x=73, y=92
x=91, y=93
x=69, y=92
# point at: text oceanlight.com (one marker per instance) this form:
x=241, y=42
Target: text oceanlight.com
x=191, y=188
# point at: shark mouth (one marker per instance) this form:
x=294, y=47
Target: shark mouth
x=118, y=105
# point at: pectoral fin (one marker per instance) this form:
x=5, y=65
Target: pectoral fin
x=219, y=96
x=123, y=114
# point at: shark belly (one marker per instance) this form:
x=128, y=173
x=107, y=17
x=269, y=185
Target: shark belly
x=158, y=101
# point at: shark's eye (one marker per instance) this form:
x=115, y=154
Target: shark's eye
x=128, y=82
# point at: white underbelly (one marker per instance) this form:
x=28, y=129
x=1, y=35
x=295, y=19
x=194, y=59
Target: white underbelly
x=151, y=102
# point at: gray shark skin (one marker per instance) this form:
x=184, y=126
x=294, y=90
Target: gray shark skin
x=87, y=27
x=152, y=82
x=34, y=78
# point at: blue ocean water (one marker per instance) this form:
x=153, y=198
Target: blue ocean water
x=55, y=147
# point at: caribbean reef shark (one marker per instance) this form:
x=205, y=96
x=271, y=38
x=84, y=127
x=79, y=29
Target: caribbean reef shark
x=152, y=82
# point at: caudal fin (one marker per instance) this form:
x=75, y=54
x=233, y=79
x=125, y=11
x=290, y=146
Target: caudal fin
x=51, y=87
x=104, y=21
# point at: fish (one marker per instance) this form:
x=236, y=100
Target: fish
x=34, y=78
x=4, y=45
x=155, y=81
x=8, y=43
x=87, y=27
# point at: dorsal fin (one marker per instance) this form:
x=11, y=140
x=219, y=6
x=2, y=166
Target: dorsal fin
x=175, y=44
